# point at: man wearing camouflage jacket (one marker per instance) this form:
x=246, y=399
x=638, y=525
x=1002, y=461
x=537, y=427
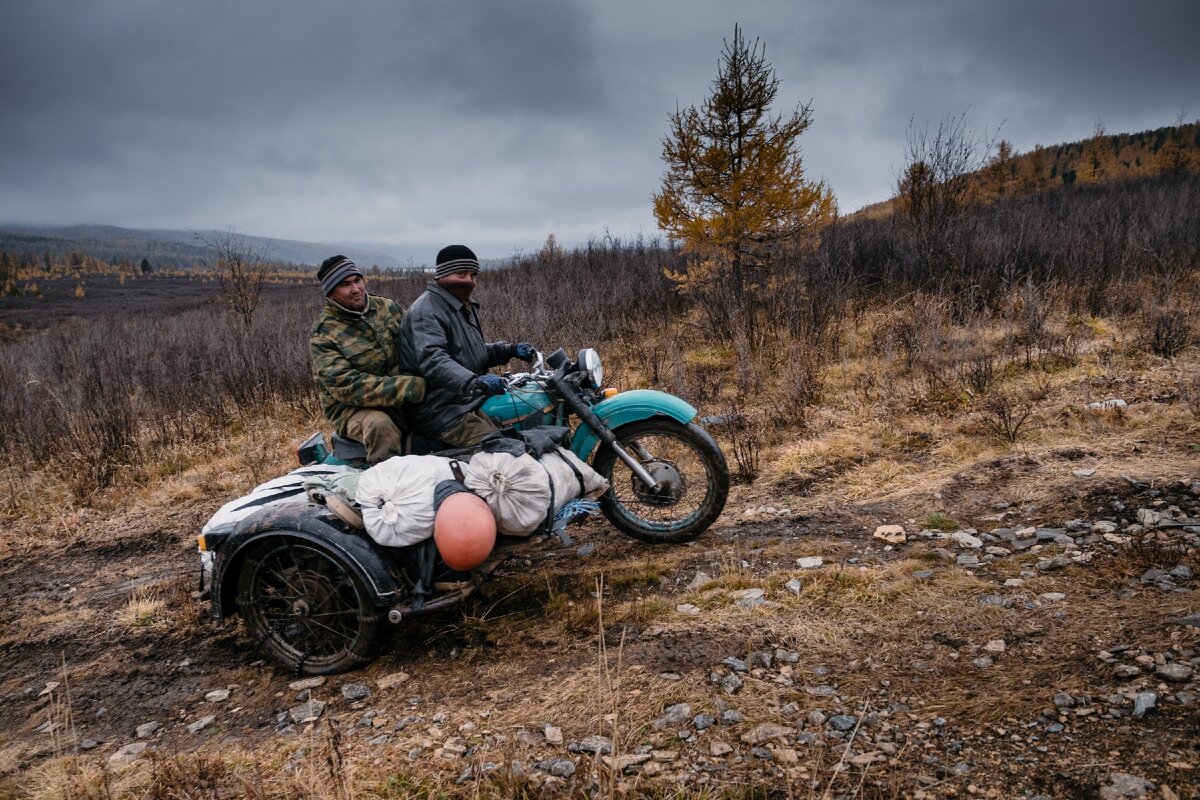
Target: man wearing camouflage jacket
x=356, y=361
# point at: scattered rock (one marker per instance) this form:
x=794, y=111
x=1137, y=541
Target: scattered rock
x=765, y=731
x=701, y=580
x=1056, y=563
x=1143, y=702
x=995, y=646
x=687, y=609
x=201, y=723
x=1122, y=784
x=1052, y=597
x=809, y=562
x=558, y=767
x=892, y=534
x=983, y=662
x=748, y=598
x=1174, y=672
x=1064, y=700
x=126, y=755
x=593, y=745
x=392, y=680
x=148, y=729
x=967, y=560
x=732, y=717
x=964, y=539
x=355, y=691
x=88, y=744
x=626, y=763
x=307, y=712
x=1192, y=621
x=719, y=749
x=553, y=734
x=673, y=717
x=1083, y=473
x=217, y=696
x=307, y=683
x=923, y=575
x=1108, y=405
x=794, y=586
x=843, y=722
x=731, y=683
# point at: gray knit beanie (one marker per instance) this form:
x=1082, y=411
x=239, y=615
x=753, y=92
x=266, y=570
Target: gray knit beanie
x=334, y=270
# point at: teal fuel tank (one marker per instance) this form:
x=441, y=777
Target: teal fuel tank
x=517, y=404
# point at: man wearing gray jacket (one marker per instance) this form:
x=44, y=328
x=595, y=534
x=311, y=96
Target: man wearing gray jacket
x=442, y=341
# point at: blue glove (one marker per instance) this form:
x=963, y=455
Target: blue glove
x=525, y=352
x=490, y=385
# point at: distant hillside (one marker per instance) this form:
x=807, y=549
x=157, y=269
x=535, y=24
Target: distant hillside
x=1098, y=159
x=164, y=249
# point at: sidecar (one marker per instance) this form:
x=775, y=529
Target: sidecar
x=311, y=585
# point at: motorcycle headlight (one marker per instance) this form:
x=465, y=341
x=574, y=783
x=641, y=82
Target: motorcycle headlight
x=589, y=365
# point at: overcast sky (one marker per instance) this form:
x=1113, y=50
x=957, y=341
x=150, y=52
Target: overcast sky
x=415, y=124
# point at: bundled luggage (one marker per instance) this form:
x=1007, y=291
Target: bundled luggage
x=525, y=477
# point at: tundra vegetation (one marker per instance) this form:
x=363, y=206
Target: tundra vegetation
x=928, y=363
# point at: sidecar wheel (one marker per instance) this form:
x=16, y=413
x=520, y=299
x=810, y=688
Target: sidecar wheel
x=306, y=608
x=691, y=468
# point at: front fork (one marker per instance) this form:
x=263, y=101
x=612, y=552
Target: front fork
x=572, y=398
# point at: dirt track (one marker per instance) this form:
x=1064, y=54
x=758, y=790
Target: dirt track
x=527, y=655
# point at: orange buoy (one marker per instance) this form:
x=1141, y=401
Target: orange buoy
x=464, y=531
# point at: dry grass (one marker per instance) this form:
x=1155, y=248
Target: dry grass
x=582, y=644
x=143, y=609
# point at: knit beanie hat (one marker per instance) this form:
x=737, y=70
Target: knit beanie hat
x=455, y=258
x=334, y=270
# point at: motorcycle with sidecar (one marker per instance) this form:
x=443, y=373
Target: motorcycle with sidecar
x=313, y=588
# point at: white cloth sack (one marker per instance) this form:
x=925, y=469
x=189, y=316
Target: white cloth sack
x=565, y=480
x=396, y=497
x=519, y=489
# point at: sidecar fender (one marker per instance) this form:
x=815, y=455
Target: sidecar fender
x=300, y=522
x=629, y=407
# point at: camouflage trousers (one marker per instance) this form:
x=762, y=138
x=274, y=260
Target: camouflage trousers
x=468, y=430
x=378, y=432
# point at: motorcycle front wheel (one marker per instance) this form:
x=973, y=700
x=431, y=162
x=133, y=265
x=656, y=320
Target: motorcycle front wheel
x=691, y=470
x=306, y=608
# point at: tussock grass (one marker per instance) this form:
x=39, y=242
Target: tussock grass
x=143, y=609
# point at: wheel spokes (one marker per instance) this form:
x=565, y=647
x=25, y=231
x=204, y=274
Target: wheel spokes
x=307, y=602
x=680, y=457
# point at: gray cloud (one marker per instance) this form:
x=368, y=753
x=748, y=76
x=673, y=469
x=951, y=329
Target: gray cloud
x=412, y=122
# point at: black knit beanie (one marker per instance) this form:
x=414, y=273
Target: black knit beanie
x=455, y=258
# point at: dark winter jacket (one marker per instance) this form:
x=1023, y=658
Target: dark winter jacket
x=441, y=340
x=356, y=361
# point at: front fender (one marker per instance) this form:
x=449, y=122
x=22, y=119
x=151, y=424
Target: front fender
x=629, y=407
x=302, y=522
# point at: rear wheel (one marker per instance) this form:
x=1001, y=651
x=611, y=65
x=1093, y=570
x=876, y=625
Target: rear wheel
x=692, y=474
x=307, y=608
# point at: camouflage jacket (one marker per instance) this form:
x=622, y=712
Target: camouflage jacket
x=356, y=361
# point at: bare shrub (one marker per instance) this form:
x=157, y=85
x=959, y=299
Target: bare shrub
x=801, y=384
x=1190, y=393
x=978, y=373
x=1006, y=416
x=744, y=430
x=1167, y=331
x=242, y=268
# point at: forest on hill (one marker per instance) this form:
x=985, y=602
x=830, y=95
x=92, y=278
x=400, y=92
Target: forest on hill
x=1001, y=171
